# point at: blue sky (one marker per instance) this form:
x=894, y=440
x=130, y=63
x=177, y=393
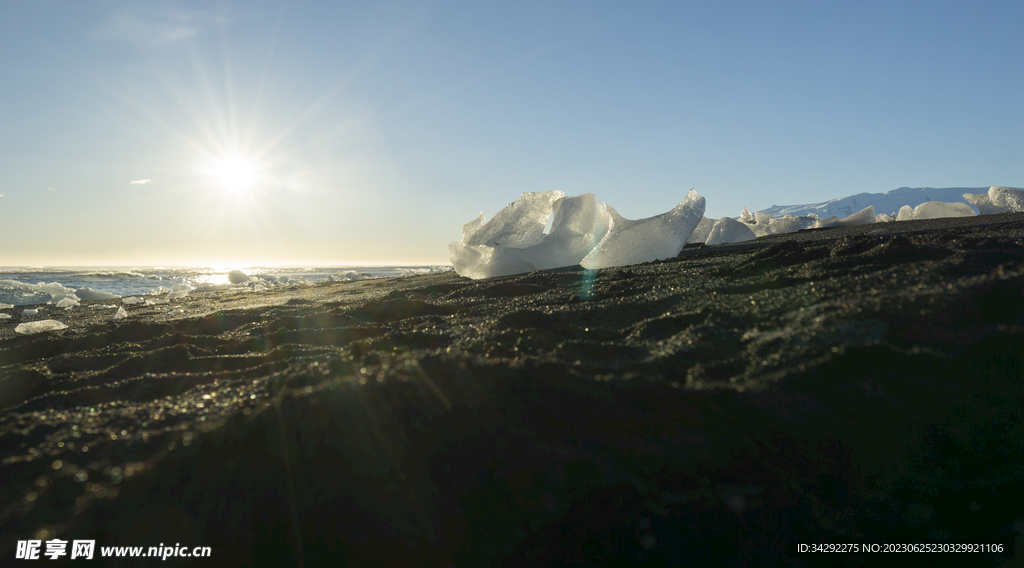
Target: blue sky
x=377, y=128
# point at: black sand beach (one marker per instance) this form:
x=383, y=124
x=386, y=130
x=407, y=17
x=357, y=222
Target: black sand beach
x=839, y=386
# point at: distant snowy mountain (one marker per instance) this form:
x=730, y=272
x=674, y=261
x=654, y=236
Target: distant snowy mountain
x=888, y=202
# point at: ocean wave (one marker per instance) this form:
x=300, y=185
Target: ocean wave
x=21, y=293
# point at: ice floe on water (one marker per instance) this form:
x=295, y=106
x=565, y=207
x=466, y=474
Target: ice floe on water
x=40, y=285
x=39, y=327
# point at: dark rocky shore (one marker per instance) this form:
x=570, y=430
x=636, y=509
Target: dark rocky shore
x=858, y=386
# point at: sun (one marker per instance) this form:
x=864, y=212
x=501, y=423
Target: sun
x=234, y=174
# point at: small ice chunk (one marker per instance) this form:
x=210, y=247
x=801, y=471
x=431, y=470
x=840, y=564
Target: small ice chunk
x=984, y=204
x=102, y=307
x=58, y=298
x=180, y=287
x=237, y=277
x=177, y=294
x=5, y=306
x=121, y=314
x=67, y=303
x=132, y=300
x=883, y=218
x=211, y=287
x=789, y=224
x=39, y=326
x=4, y=316
x=757, y=221
x=157, y=301
x=1007, y=198
x=865, y=216
x=728, y=230
x=934, y=210
x=644, y=240
x=29, y=312
x=700, y=234
x=90, y=294
x=827, y=222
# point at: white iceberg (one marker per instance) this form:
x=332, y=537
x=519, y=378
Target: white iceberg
x=934, y=210
x=67, y=303
x=728, y=230
x=1008, y=198
x=5, y=306
x=237, y=277
x=789, y=224
x=177, y=294
x=865, y=216
x=39, y=326
x=492, y=248
x=644, y=240
x=5, y=316
x=700, y=234
x=984, y=204
x=583, y=231
x=121, y=313
x=757, y=222
x=997, y=200
x=826, y=223
x=29, y=312
x=132, y=300
x=578, y=224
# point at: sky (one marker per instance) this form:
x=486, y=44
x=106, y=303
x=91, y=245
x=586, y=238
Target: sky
x=354, y=133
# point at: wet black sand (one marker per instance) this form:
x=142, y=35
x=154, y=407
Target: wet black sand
x=857, y=385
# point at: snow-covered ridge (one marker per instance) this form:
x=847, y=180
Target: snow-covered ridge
x=889, y=202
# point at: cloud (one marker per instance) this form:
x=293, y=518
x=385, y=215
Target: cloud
x=140, y=181
x=158, y=26
x=51, y=189
x=2, y=195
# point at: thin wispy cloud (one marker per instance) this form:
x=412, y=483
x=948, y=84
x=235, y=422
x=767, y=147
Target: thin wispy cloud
x=140, y=181
x=51, y=189
x=158, y=26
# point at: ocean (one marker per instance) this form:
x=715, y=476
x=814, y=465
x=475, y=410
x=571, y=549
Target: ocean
x=21, y=286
